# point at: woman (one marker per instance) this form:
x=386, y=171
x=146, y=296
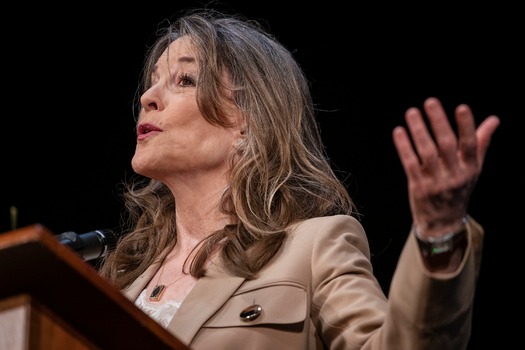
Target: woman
x=242, y=236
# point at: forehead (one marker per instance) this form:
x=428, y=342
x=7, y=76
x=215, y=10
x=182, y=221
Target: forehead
x=182, y=51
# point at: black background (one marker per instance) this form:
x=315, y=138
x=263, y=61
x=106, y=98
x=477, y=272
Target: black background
x=70, y=74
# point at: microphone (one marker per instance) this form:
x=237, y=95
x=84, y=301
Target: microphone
x=90, y=245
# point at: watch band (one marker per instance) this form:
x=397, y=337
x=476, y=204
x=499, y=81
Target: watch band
x=431, y=246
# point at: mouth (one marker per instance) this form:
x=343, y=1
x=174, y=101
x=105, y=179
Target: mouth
x=143, y=129
x=146, y=129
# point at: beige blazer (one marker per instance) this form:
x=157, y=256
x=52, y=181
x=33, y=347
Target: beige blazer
x=319, y=292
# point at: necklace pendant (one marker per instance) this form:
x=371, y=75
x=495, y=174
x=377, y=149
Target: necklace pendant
x=157, y=292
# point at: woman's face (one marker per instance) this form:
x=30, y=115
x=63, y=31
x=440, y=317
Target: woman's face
x=174, y=141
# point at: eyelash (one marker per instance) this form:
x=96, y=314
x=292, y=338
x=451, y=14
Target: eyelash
x=185, y=78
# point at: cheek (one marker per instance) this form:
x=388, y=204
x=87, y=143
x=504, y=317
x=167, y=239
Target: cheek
x=215, y=144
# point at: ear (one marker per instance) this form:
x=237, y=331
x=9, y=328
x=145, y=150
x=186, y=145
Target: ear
x=237, y=122
x=240, y=138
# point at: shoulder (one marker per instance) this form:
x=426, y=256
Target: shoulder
x=329, y=225
x=336, y=221
x=343, y=231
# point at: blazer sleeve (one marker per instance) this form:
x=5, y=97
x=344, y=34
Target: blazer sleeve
x=348, y=304
x=431, y=310
x=424, y=310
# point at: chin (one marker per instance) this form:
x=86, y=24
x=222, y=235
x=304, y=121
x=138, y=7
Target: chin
x=138, y=165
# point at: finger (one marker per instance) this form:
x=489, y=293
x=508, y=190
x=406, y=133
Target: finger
x=467, y=133
x=409, y=159
x=484, y=134
x=423, y=142
x=443, y=133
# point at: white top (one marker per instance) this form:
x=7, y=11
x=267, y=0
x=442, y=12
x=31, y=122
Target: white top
x=162, y=312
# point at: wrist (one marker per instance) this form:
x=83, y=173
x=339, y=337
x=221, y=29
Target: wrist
x=432, y=246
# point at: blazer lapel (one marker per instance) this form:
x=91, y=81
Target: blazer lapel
x=207, y=296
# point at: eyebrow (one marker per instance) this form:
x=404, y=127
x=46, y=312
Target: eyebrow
x=182, y=59
x=186, y=59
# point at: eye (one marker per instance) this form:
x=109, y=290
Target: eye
x=185, y=80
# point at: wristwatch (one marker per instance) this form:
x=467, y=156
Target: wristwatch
x=431, y=246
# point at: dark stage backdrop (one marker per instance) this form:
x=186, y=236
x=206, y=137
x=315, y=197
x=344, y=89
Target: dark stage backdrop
x=70, y=76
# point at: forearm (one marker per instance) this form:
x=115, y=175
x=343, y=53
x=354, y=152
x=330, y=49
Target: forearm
x=433, y=309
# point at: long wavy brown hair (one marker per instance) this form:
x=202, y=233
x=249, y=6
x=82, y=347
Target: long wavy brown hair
x=280, y=173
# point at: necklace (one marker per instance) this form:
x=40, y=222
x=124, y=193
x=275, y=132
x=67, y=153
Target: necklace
x=158, y=290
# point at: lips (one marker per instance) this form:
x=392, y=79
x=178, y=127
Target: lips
x=145, y=130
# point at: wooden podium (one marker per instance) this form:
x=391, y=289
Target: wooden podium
x=50, y=298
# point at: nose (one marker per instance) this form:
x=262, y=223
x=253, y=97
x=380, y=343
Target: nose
x=150, y=99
